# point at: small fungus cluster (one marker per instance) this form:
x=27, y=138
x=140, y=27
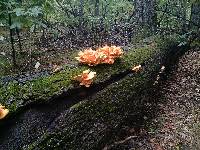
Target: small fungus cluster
x=137, y=68
x=3, y=111
x=86, y=78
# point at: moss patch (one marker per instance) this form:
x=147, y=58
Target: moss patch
x=5, y=65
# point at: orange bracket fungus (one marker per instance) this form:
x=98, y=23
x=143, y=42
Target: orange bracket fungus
x=3, y=111
x=86, y=78
x=89, y=57
x=104, y=55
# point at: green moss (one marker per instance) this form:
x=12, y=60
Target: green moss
x=14, y=94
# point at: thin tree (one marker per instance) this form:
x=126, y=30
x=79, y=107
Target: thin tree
x=12, y=40
x=96, y=12
x=145, y=13
x=195, y=14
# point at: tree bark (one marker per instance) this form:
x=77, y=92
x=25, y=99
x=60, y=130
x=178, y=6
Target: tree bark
x=96, y=13
x=145, y=13
x=139, y=11
x=81, y=12
x=19, y=39
x=12, y=41
x=195, y=13
x=184, y=14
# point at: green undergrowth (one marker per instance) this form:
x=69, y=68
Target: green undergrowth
x=15, y=95
x=5, y=65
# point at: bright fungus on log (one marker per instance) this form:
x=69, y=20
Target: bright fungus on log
x=104, y=55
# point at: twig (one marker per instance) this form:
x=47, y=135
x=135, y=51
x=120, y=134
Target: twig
x=125, y=140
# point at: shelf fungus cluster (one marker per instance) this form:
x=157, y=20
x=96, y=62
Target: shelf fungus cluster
x=103, y=55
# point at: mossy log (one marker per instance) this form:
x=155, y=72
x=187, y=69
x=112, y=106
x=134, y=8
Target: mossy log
x=16, y=95
x=94, y=115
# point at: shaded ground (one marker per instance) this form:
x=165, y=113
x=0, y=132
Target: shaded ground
x=177, y=125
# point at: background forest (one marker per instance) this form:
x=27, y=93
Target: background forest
x=35, y=28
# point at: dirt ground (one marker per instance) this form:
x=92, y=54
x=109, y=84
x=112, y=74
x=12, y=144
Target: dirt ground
x=177, y=123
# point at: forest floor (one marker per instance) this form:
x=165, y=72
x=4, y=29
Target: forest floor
x=177, y=123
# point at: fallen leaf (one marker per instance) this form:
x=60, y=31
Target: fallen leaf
x=56, y=68
x=163, y=68
x=37, y=65
x=3, y=53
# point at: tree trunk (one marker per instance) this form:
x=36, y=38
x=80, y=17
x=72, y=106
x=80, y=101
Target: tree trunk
x=184, y=21
x=145, y=13
x=19, y=39
x=139, y=11
x=96, y=13
x=12, y=41
x=195, y=14
x=81, y=10
x=185, y=25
